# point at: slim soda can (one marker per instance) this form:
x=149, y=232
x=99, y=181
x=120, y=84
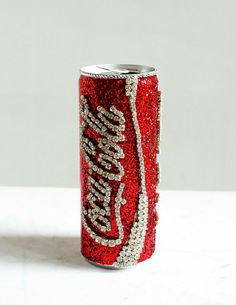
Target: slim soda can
x=119, y=170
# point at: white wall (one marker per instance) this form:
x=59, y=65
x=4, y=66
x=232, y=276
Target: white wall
x=44, y=43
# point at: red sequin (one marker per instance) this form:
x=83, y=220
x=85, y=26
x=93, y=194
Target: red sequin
x=107, y=93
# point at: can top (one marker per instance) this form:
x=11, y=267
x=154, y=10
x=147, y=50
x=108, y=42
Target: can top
x=118, y=71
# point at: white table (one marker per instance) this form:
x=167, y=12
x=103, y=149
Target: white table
x=40, y=261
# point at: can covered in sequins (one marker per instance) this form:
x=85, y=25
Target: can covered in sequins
x=119, y=172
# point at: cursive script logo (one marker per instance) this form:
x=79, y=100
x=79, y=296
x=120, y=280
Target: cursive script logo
x=102, y=154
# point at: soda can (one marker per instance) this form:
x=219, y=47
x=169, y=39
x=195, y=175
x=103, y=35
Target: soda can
x=119, y=170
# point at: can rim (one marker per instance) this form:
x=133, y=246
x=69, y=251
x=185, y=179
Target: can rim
x=118, y=70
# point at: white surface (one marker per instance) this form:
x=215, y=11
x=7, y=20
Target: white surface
x=45, y=42
x=40, y=261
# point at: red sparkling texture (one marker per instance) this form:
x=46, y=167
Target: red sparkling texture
x=107, y=93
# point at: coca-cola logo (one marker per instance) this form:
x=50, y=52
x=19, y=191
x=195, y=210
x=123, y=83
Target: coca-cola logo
x=102, y=155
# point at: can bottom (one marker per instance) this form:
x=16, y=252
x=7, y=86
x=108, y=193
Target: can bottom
x=111, y=267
